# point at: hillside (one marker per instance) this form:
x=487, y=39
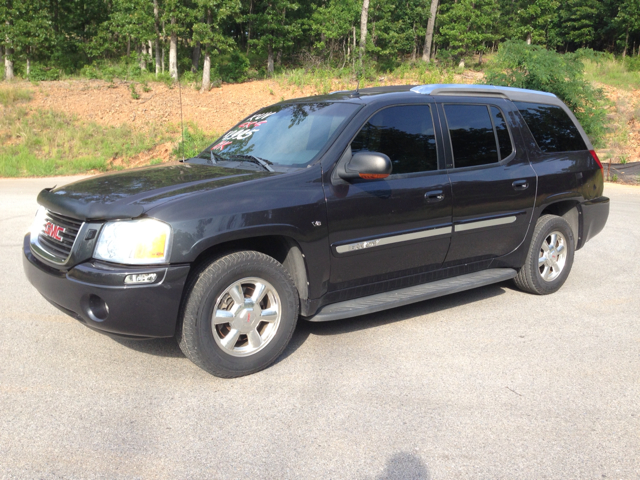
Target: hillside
x=156, y=113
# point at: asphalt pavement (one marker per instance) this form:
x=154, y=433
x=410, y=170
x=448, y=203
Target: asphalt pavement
x=487, y=384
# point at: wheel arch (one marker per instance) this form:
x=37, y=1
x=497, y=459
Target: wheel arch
x=284, y=249
x=570, y=211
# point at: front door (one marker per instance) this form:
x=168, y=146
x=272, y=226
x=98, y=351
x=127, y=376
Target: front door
x=389, y=233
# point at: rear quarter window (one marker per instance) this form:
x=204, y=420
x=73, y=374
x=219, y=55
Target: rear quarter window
x=551, y=127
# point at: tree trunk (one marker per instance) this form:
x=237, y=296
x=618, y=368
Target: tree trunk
x=626, y=44
x=270, y=59
x=249, y=27
x=364, y=17
x=156, y=25
x=529, y=38
x=354, y=46
x=414, y=53
x=279, y=57
x=195, y=58
x=142, y=57
x=206, y=67
x=428, y=38
x=206, y=72
x=173, y=52
x=28, y=67
x=8, y=64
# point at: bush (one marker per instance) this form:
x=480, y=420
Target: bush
x=193, y=141
x=235, y=68
x=40, y=73
x=632, y=63
x=532, y=66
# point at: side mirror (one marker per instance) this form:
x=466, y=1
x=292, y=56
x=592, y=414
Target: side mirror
x=367, y=165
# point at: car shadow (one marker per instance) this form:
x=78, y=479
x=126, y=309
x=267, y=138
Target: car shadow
x=394, y=315
x=168, y=347
x=160, y=347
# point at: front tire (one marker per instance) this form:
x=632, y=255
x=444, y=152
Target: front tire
x=550, y=257
x=239, y=315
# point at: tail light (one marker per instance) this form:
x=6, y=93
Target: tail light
x=595, y=157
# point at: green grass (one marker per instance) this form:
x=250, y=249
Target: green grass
x=45, y=143
x=195, y=141
x=611, y=72
x=12, y=96
x=325, y=79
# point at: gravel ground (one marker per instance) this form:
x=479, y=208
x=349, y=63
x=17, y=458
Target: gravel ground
x=491, y=383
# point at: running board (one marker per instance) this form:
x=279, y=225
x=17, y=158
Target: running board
x=405, y=296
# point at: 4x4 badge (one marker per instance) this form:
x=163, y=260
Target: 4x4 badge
x=53, y=231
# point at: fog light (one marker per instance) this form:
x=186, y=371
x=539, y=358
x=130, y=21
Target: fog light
x=140, y=278
x=97, y=309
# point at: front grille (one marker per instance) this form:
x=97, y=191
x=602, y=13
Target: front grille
x=61, y=249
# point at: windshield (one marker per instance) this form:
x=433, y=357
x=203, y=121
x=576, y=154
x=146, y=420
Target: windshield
x=291, y=135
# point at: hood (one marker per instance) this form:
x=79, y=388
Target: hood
x=130, y=193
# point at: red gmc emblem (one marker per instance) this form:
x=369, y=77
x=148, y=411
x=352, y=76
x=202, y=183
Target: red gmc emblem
x=53, y=231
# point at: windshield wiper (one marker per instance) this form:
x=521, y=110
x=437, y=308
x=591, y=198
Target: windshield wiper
x=263, y=162
x=215, y=157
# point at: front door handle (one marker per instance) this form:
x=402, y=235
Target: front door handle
x=520, y=185
x=434, y=196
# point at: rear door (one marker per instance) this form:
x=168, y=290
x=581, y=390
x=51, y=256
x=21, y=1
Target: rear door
x=493, y=184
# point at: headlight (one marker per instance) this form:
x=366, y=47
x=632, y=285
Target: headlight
x=38, y=222
x=135, y=242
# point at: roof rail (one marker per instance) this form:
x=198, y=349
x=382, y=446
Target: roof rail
x=463, y=89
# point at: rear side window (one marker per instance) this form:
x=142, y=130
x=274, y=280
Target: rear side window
x=504, y=140
x=551, y=127
x=474, y=139
x=405, y=134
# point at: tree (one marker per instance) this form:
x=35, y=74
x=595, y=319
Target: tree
x=580, y=18
x=333, y=25
x=176, y=16
x=131, y=21
x=467, y=25
x=156, y=27
x=534, y=20
x=364, y=16
x=25, y=27
x=213, y=39
x=428, y=38
x=628, y=20
x=276, y=27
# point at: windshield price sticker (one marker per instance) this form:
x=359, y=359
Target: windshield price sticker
x=244, y=130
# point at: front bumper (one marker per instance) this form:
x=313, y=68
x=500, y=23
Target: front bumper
x=94, y=293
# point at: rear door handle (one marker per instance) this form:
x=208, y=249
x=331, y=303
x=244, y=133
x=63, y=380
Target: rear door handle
x=520, y=185
x=434, y=196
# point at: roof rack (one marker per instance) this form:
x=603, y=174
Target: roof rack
x=462, y=89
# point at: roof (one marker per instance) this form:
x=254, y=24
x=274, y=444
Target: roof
x=511, y=93
x=374, y=94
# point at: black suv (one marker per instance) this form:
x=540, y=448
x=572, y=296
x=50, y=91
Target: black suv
x=323, y=208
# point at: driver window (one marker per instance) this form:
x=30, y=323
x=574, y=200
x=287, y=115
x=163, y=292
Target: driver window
x=405, y=134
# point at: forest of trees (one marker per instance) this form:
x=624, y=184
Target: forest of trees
x=207, y=37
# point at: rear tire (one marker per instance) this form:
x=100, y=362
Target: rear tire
x=239, y=315
x=550, y=257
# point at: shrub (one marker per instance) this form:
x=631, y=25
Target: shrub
x=532, y=66
x=39, y=73
x=632, y=63
x=235, y=68
x=193, y=141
